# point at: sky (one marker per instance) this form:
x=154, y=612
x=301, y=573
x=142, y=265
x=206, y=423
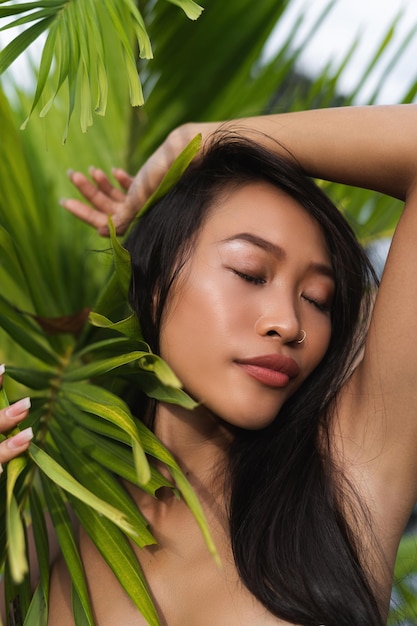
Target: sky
x=349, y=18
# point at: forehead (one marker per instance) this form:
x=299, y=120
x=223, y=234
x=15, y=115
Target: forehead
x=270, y=214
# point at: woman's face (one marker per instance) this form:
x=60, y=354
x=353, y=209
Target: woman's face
x=259, y=275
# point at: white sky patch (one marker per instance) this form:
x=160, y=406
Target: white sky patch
x=348, y=19
x=21, y=70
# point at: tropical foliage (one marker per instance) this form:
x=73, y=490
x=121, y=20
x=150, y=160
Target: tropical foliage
x=77, y=365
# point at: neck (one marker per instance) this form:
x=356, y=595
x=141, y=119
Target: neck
x=198, y=440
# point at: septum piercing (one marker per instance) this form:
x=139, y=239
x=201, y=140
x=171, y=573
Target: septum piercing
x=304, y=335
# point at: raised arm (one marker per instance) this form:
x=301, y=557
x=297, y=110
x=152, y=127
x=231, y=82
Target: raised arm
x=354, y=145
x=377, y=148
x=372, y=147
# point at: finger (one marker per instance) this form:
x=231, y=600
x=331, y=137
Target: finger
x=13, y=414
x=154, y=169
x=13, y=446
x=141, y=187
x=123, y=178
x=105, y=186
x=86, y=213
x=100, y=200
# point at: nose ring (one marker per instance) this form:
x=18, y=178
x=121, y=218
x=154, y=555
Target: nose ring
x=303, y=336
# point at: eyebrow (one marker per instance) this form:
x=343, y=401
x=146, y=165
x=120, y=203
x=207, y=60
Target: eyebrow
x=277, y=251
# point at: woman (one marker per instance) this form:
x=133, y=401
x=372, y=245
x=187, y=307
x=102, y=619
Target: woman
x=303, y=456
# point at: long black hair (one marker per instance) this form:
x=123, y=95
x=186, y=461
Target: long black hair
x=293, y=547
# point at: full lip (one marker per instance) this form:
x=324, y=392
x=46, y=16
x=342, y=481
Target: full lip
x=274, y=370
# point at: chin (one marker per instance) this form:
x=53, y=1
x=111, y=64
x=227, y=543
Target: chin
x=258, y=424
x=243, y=411
x=244, y=421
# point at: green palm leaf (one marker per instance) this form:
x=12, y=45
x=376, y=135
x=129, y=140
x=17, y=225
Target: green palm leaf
x=40, y=536
x=75, y=42
x=15, y=530
x=37, y=614
x=118, y=554
x=67, y=542
x=101, y=402
x=103, y=484
x=59, y=476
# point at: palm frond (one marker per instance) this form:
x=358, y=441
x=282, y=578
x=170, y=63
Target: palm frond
x=75, y=43
x=55, y=472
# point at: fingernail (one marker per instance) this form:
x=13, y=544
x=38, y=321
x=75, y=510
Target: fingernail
x=92, y=169
x=17, y=408
x=70, y=172
x=20, y=439
x=1, y=468
x=2, y=369
x=62, y=201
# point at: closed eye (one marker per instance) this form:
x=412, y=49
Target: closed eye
x=321, y=306
x=255, y=280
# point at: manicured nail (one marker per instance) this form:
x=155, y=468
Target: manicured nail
x=2, y=369
x=17, y=408
x=20, y=439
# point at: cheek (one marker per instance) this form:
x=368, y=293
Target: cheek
x=320, y=341
x=189, y=327
x=201, y=313
x=175, y=335
x=327, y=335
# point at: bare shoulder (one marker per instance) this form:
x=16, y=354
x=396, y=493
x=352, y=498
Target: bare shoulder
x=187, y=586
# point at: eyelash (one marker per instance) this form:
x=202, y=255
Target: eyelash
x=319, y=305
x=254, y=280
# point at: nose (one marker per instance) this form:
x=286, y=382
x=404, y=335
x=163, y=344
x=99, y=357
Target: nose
x=279, y=321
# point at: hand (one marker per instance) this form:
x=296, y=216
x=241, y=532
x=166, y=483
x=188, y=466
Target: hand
x=124, y=203
x=9, y=418
x=104, y=199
